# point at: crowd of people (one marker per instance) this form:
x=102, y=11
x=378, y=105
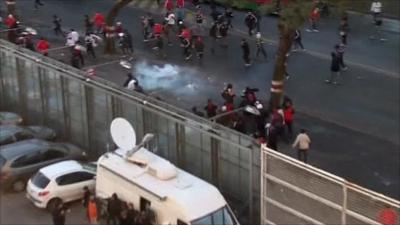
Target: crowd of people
x=175, y=26
x=112, y=211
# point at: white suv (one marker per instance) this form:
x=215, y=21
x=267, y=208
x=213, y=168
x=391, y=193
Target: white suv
x=60, y=182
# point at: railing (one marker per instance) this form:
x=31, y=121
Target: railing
x=296, y=193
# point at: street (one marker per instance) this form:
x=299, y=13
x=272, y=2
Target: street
x=354, y=128
x=16, y=209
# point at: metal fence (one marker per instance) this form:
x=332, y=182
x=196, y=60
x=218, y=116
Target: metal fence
x=296, y=193
x=47, y=92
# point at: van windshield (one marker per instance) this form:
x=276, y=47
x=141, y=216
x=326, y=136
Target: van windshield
x=220, y=217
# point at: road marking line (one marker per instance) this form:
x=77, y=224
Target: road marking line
x=327, y=57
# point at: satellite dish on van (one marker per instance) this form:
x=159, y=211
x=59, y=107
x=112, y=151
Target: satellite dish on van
x=123, y=134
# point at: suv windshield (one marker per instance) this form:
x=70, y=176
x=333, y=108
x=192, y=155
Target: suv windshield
x=40, y=180
x=220, y=217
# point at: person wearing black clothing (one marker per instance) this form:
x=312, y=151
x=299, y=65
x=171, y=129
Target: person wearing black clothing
x=86, y=196
x=132, y=214
x=150, y=20
x=199, y=16
x=260, y=45
x=196, y=112
x=246, y=52
x=37, y=3
x=335, y=69
x=199, y=46
x=125, y=42
x=297, y=41
x=88, y=24
x=90, y=44
x=124, y=219
x=228, y=94
x=186, y=48
x=272, y=138
x=223, y=31
x=339, y=50
x=128, y=79
x=58, y=214
x=251, y=22
x=343, y=29
x=215, y=15
x=57, y=26
x=258, y=16
x=229, y=16
x=213, y=36
x=114, y=209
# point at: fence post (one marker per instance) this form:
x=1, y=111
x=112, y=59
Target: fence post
x=180, y=145
x=215, y=170
x=344, y=206
x=65, y=105
x=22, y=93
x=263, y=185
x=43, y=96
x=89, y=106
x=251, y=181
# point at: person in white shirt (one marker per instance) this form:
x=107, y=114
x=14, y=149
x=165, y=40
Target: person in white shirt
x=171, y=21
x=376, y=9
x=302, y=143
x=72, y=38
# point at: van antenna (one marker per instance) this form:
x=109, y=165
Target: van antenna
x=124, y=136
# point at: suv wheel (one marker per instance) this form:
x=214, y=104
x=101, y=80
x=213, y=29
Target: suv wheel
x=53, y=203
x=18, y=186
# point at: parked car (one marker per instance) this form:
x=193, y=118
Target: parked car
x=60, y=182
x=9, y=118
x=19, y=161
x=11, y=133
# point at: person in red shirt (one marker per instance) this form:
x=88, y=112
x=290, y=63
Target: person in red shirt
x=169, y=6
x=157, y=30
x=180, y=3
x=387, y=216
x=211, y=108
x=314, y=17
x=10, y=21
x=288, y=112
x=43, y=46
x=99, y=22
x=11, y=24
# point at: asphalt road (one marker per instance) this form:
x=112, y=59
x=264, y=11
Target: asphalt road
x=354, y=127
x=15, y=209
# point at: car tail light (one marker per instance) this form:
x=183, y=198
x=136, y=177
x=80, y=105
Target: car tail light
x=43, y=193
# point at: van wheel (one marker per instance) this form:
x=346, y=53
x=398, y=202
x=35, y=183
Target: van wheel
x=18, y=186
x=52, y=204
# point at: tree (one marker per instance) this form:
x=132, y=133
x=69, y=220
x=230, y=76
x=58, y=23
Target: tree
x=293, y=14
x=109, y=29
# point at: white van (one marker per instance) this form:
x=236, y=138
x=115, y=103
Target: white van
x=175, y=196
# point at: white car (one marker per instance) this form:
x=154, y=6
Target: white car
x=60, y=182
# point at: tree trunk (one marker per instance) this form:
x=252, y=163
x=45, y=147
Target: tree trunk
x=109, y=29
x=285, y=43
x=11, y=7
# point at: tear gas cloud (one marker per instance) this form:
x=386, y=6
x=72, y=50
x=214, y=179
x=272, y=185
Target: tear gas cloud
x=168, y=77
